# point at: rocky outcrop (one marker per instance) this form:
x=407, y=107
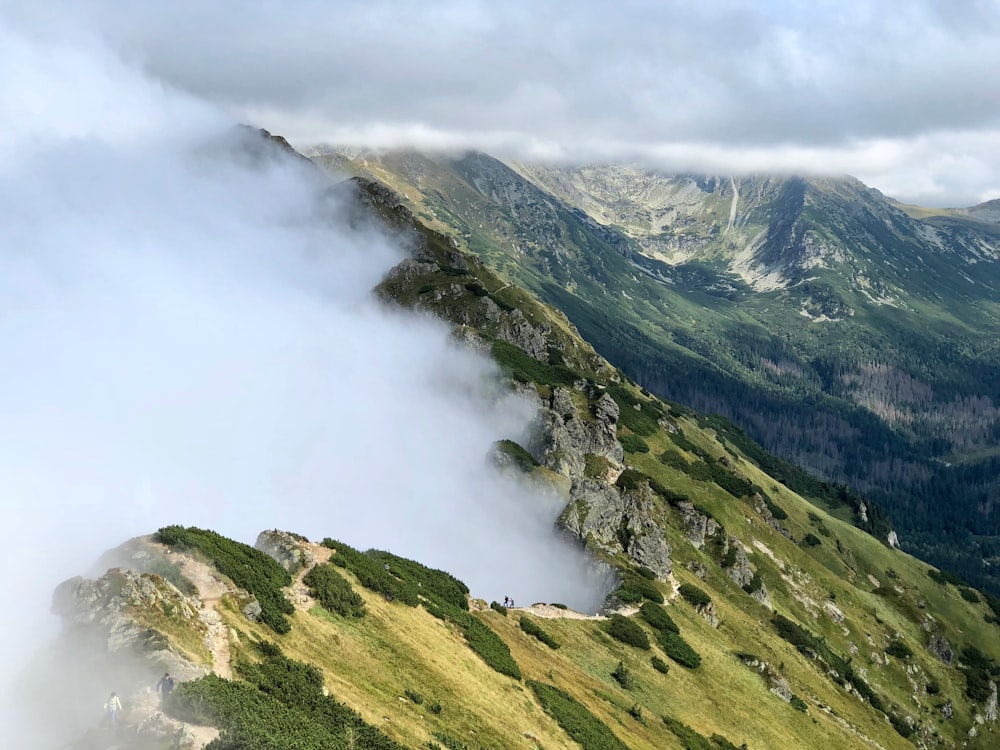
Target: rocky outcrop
x=618, y=521
x=740, y=571
x=566, y=436
x=286, y=549
x=940, y=647
x=103, y=608
x=990, y=709
x=698, y=526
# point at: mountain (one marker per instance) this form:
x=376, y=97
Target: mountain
x=843, y=333
x=740, y=613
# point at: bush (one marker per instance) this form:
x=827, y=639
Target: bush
x=641, y=421
x=576, y=720
x=811, y=540
x=756, y=583
x=798, y=704
x=533, y=629
x=278, y=704
x=247, y=567
x=932, y=688
x=673, y=459
x=450, y=742
x=692, y=740
x=635, y=588
x=526, y=369
x=627, y=631
x=333, y=592
x=414, y=697
x=497, y=607
x=633, y=444
x=491, y=648
x=969, y=594
x=595, y=467
x=659, y=665
x=435, y=708
x=678, y=649
x=623, y=676
x=899, y=649
x=657, y=617
x=517, y=455
x=636, y=713
x=694, y=595
x=901, y=727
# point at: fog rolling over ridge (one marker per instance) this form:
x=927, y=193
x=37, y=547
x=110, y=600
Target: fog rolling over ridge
x=188, y=336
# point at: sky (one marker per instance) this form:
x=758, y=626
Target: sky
x=189, y=336
x=899, y=93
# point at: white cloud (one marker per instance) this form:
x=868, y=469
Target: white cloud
x=189, y=337
x=825, y=80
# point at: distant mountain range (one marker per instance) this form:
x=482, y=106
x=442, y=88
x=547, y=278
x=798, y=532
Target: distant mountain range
x=844, y=331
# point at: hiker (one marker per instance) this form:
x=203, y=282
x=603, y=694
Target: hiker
x=164, y=686
x=113, y=708
x=506, y=601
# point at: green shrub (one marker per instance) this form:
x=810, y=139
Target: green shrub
x=678, y=649
x=633, y=444
x=576, y=720
x=811, y=540
x=932, y=687
x=636, y=713
x=497, y=607
x=450, y=742
x=641, y=421
x=798, y=704
x=595, y=467
x=659, y=665
x=901, y=727
x=756, y=583
x=969, y=594
x=372, y=575
x=627, y=631
x=623, y=676
x=526, y=369
x=247, y=567
x=532, y=629
x=517, y=454
x=279, y=704
x=635, y=588
x=694, y=595
x=899, y=649
x=558, y=605
x=777, y=512
x=434, y=708
x=414, y=696
x=657, y=617
x=333, y=592
x=673, y=459
x=645, y=572
x=692, y=740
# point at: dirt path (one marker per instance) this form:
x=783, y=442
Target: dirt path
x=211, y=589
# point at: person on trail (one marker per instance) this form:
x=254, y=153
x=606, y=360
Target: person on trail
x=113, y=708
x=164, y=686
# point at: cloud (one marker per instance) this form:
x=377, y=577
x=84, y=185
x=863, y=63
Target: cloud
x=189, y=337
x=827, y=80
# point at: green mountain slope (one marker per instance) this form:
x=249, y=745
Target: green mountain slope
x=842, y=333
x=744, y=613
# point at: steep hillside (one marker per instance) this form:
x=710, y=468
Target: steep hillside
x=839, y=331
x=741, y=613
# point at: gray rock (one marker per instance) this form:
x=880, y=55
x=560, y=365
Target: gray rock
x=948, y=710
x=990, y=710
x=285, y=549
x=698, y=526
x=603, y=515
x=566, y=436
x=252, y=610
x=740, y=572
x=942, y=649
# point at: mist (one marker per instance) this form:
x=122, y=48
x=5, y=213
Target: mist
x=189, y=336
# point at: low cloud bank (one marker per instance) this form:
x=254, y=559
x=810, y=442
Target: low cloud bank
x=188, y=336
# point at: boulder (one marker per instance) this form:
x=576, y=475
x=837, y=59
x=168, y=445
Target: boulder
x=286, y=549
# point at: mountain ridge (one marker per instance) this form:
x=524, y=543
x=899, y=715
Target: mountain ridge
x=876, y=368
